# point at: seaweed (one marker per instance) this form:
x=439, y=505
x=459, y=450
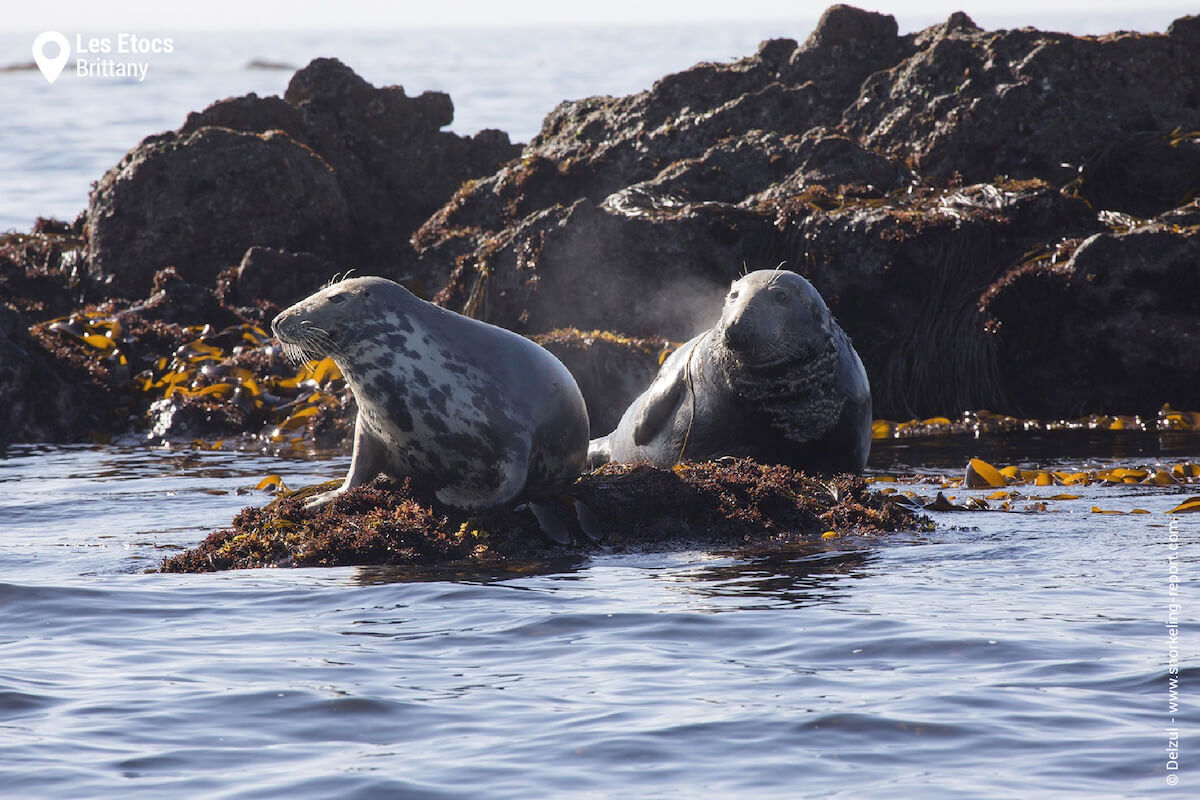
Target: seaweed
x=724, y=504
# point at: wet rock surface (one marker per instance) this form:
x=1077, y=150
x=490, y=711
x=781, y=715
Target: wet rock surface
x=636, y=507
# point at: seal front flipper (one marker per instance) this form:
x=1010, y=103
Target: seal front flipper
x=657, y=408
x=370, y=458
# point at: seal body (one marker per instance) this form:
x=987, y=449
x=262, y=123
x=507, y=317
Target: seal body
x=474, y=413
x=775, y=379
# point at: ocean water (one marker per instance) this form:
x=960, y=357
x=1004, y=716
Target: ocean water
x=1020, y=655
x=1000, y=655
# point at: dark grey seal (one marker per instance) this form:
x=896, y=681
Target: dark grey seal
x=471, y=412
x=775, y=379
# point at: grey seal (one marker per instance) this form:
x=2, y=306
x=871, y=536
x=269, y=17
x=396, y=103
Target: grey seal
x=775, y=379
x=476, y=414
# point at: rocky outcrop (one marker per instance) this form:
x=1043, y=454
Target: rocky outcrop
x=1001, y=220
x=1113, y=323
x=195, y=201
x=1024, y=103
x=908, y=177
x=337, y=168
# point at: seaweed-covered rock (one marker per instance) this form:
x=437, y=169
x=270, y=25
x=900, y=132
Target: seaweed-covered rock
x=195, y=201
x=42, y=273
x=904, y=277
x=177, y=301
x=732, y=503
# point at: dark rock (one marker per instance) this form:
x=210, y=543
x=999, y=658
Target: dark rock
x=337, y=168
x=176, y=301
x=277, y=277
x=1023, y=103
x=640, y=270
x=42, y=399
x=827, y=158
x=595, y=147
x=611, y=370
x=904, y=278
x=197, y=201
x=1143, y=174
x=43, y=274
x=1113, y=328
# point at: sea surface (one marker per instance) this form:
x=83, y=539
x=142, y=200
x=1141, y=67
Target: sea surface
x=1000, y=655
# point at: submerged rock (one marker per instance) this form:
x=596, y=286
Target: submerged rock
x=733, y=503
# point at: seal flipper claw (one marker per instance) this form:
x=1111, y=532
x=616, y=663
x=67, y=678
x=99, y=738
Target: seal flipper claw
x=550, y=523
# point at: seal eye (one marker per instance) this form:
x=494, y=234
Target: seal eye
x=733, y=294
x=780, y=297
x=336, y=298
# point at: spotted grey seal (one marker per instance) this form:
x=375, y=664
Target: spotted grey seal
x=775, y=379
x=472, y=412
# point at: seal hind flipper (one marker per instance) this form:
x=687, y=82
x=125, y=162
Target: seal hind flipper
x=599, y=452
x=550, y=523
x=589, y=523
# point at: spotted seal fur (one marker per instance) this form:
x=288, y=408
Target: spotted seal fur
x=775, y=379
x=474, y=413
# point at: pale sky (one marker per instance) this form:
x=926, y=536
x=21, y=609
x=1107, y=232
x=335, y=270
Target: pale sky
x=157, y=16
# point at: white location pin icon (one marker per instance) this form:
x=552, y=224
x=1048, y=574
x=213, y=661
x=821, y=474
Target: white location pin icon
x=51, y=66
